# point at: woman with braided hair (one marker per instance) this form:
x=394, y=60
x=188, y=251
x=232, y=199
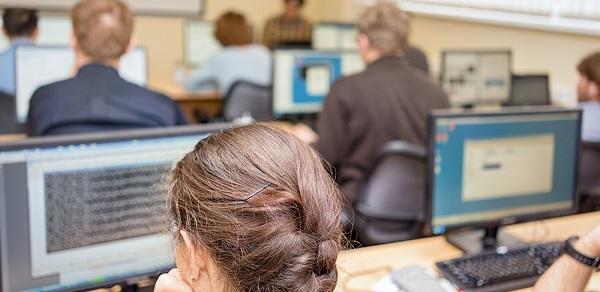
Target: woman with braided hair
x=255, y=210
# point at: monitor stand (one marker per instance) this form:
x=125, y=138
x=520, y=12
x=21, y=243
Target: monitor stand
x=482, y=240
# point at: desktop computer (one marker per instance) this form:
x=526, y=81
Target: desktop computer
x=334, y=36
x=529, y=90
x=302, y=78
x=491, y=169
x=84, y=212
x=476, y=77
x=200, y=42
x=36, y=66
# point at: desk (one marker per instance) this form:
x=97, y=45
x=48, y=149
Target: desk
x=12, y=137
x=426, y=252
x=192, y=103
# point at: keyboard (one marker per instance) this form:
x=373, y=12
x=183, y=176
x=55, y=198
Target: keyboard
x=502, y=270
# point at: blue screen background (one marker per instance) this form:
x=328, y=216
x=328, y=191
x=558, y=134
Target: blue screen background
x=301, y=95
x=447, y=187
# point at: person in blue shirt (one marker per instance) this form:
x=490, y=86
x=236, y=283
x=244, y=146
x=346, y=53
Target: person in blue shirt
x=240, y=60
x=20, y=26
x=97, y=98
x=588, y=92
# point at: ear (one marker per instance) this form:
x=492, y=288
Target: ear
x=197, y=258
x=363, y=41
x=35, y=33
x=73, y=41
x=131, y=46
x=593, y=90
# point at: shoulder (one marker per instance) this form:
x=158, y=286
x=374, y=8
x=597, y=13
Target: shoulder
x=53, y=90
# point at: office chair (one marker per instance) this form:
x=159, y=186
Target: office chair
x=391, y=205
x=8, y=115
x=417, y=59
x=247, y=98
x=589, y=177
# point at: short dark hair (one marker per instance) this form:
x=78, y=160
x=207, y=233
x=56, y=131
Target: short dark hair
x=20, y=22
x=590, y=67
x=301, y=2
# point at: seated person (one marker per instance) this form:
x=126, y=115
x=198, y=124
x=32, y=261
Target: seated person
x=239, y=59
x=390, y=100
x=97, y=98
x=588, y=92
x=288, y=28
x=20, y=26
x=568, y=274
x=253, y=209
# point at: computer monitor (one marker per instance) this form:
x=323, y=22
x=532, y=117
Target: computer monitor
x=53, y=30
x=476, y=77
x=530, y=90
x=334, y=36
x=36, y=66
x=302, y=78
x=489, y=169
x=83, y=212
x=200, y=42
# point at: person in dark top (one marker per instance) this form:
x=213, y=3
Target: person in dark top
x=289, y=28
x=390, y=100
x=97, y=98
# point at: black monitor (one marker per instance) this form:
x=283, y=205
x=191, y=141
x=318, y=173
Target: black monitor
x=530, y=90
x=490, y=169
x=83, y=212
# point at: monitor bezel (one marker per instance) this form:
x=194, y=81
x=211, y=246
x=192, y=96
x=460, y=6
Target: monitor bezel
x=479, y=51
x=514, y=111
x=283, y=116
x=101, y=138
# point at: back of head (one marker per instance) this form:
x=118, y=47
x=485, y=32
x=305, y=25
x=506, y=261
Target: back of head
x=232, y=29
x=103, y=28
x=20, y=22
x=286, y=236
x=386, y=26
x=590, y=68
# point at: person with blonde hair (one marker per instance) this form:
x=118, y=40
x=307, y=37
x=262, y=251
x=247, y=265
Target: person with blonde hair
x=388, y=101
x=253, y=209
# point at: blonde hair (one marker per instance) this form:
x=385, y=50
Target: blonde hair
x=386, y=26
x=263, y=205
x=103, y=28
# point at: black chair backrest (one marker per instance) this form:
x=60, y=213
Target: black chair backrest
x=589, y=169
x=391, y=206
x=247, y=98
x=8, y=115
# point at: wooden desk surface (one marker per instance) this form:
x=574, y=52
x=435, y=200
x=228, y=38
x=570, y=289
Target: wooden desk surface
x=353, y=265
x=179, y=94
x=12, y=137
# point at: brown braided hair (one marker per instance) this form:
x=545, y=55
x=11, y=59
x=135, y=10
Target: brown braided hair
x=284, y=238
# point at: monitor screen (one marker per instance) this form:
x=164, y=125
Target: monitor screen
x=53, y=30
x=200, y=42
x=87, y=211
x=530, y=90
x=334, y=36
x=36, y=66
x=501, y=167
x=302, y=78
x=476, y=77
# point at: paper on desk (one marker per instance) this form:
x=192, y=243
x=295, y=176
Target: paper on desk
x=386, y=284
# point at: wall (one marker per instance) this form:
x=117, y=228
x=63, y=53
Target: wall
x=534, y=51
x=164, y=36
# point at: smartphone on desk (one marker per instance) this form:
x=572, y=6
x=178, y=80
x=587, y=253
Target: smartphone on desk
x=417, y=279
